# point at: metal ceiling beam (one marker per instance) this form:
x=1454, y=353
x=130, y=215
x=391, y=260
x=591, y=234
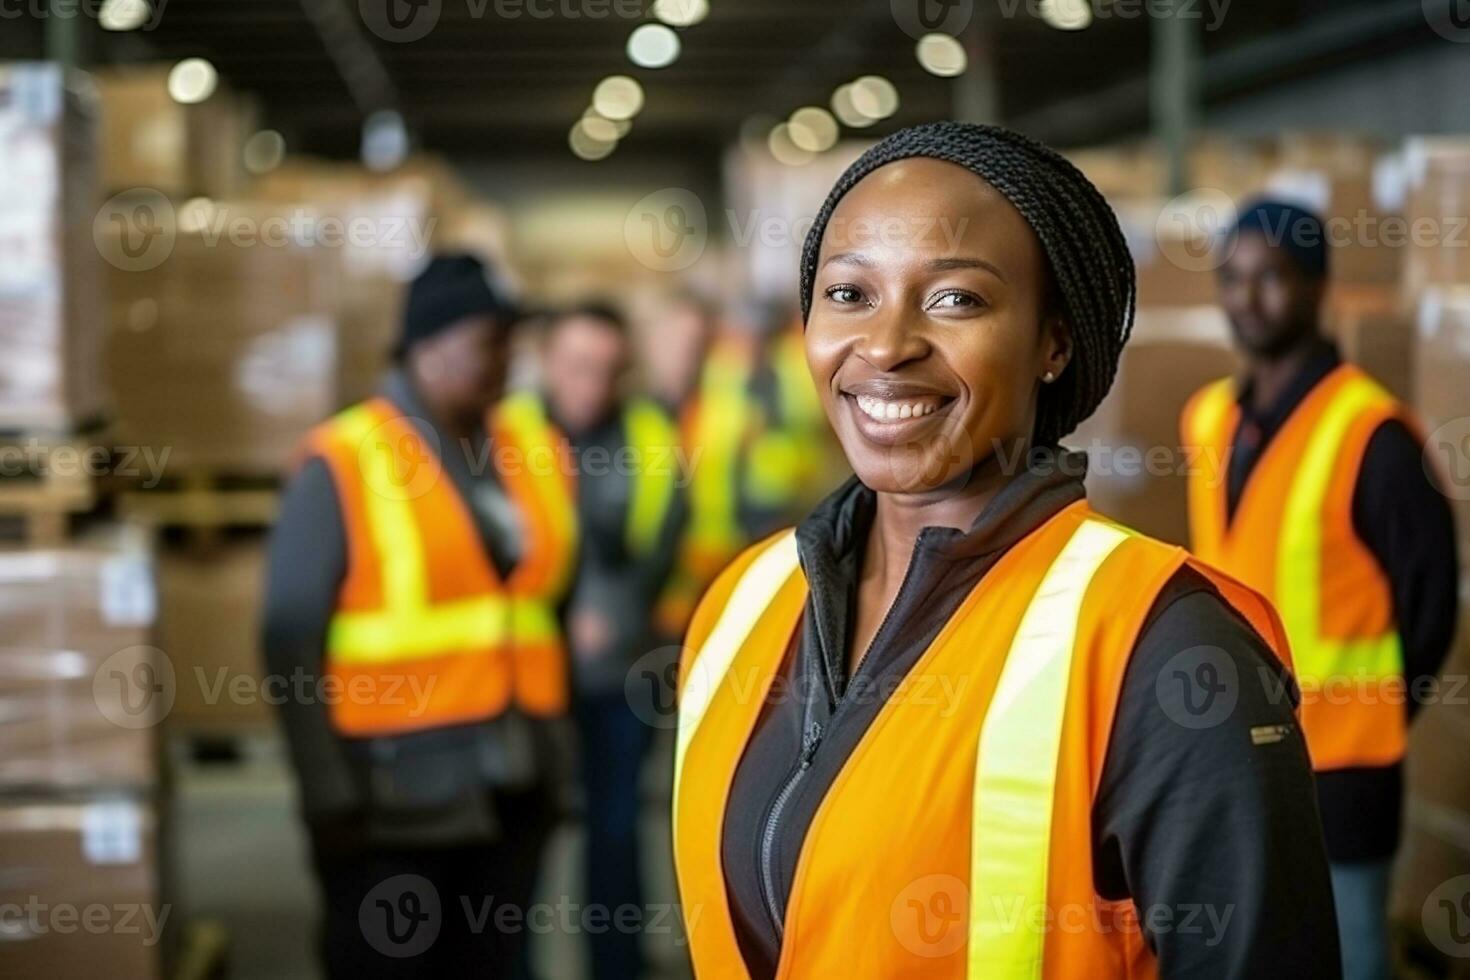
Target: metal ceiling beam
x=1122, y=107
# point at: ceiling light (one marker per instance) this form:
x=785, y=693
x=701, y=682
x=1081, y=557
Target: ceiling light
x=681, y=13
x=942, y=55
x=586, y=145
x=785, y=150
x=812, y=129
x=653, y=46
x=617, y=97
x=875, y=97
x=1066, y=15
x=123, y=15
x=192, y=80
x=844, y=109
x=264, y=151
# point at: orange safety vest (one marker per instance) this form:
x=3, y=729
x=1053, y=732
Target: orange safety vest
x=714, y=428
x=422, y=603
x=972, y=792
x=1292, y=538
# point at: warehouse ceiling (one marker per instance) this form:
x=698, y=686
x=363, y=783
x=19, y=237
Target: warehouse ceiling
x=507, y=76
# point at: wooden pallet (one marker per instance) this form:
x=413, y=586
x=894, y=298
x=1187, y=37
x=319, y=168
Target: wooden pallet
x=45, y=478
x=204, y=503
x=203, y=951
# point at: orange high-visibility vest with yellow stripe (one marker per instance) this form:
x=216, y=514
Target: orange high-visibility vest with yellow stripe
x=713, y=428
x=1292, y=538
x=957, y=840
x=421, y=601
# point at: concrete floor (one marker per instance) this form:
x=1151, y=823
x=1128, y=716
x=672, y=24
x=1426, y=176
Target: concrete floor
x=240, y=858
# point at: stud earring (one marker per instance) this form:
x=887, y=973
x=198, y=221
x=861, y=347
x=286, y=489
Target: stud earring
x=1048, y=377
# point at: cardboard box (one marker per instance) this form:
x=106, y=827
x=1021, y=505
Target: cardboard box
x=82, y=878
x=1442, y=394
x=224, y=354
x=1437, y=174
x=82, y=688
x=1375, y=332
x=50, y=286
x=151, y=141
x=210, y=606
x=1137, y=468
x=1335, y=175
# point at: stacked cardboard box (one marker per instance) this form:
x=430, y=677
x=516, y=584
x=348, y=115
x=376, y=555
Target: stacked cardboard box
x=209, y=624
x=1335, y=176
x=1437, y=209
x=151, y=141
x=1374, y=331
x=396, y=219
x=78, y=623
x=1442, y=393
x=223, y=354
x=50, y=310
x=1137, y=465
x=82, y=692
x=84, y=889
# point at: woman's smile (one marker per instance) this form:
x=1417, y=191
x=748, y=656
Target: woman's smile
x=889, y=412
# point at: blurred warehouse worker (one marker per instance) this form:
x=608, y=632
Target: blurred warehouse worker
x=423, y=582
x=699, y=374
x=1326, y=507
x=936, y=731
x=786, y=461
x=753, y=432
x=627, y=477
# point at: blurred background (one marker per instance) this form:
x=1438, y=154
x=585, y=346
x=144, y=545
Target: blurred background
x=209, y=210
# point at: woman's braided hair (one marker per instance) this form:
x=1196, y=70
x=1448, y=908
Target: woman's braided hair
x=1091, y=268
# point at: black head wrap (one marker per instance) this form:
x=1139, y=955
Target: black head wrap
x=1088, y=257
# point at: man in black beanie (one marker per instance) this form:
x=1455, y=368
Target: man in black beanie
x=1325, y=504
x=410, y=609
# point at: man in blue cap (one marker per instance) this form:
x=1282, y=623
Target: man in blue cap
x=405, y=578
x=1326, y=505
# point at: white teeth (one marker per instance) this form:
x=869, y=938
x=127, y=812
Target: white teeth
x=886, y=411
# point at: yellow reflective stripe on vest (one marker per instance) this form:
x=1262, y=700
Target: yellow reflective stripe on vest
x=652, y=436
x=1016, y=766
x=390, y=517
x=719, y=431
x=1299, y=555
x=394, y=635
x=533, y=621
x=755, y=591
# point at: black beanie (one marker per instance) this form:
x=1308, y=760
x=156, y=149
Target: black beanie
x=450, y=288
x=1091, y=267
x=1290, y=227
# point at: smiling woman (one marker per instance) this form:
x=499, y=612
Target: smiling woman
x=956, y=723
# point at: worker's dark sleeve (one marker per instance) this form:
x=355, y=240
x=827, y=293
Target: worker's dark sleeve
x=1206, y=814
x=1406, y=522
x=655, y=571
x=306, y=565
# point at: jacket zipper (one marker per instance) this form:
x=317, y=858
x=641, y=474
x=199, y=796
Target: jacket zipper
x=810, y=739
